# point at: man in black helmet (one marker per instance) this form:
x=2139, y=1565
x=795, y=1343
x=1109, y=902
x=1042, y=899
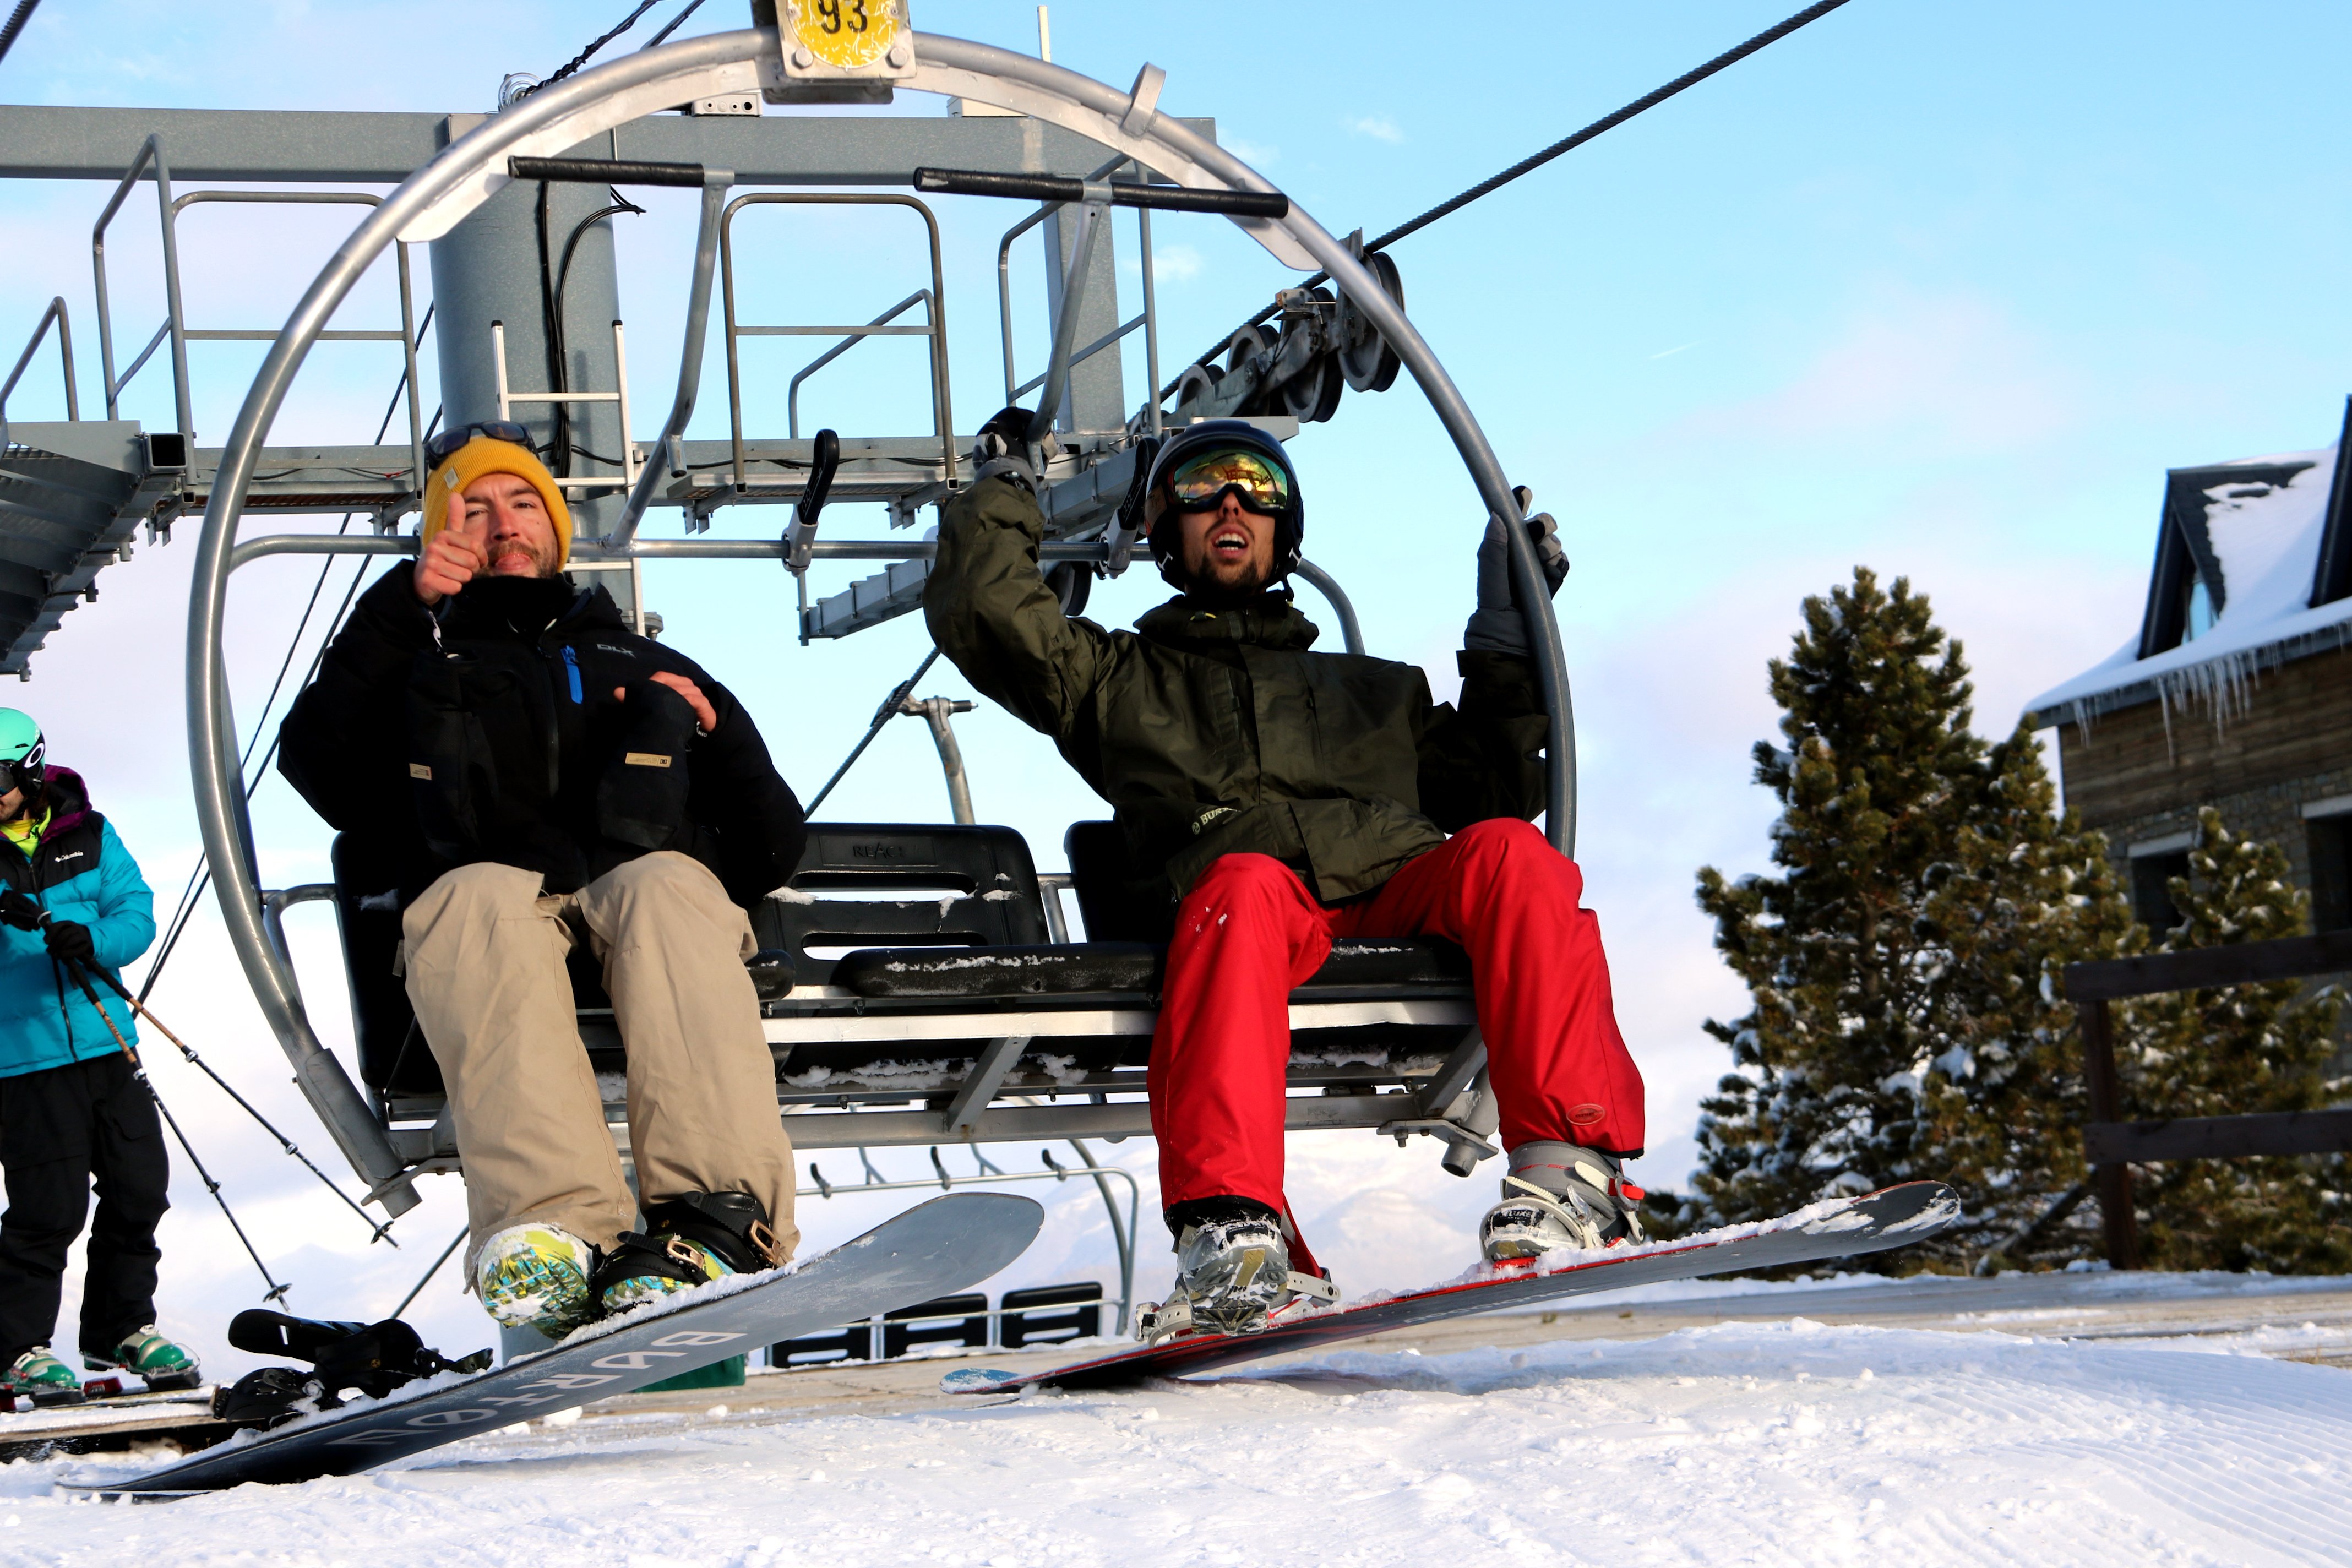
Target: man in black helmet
x=1281, y=798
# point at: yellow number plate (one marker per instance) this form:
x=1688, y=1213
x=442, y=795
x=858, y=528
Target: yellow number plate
x=848, y=35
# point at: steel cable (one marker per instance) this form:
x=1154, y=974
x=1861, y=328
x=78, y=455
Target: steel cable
x=1606, y=122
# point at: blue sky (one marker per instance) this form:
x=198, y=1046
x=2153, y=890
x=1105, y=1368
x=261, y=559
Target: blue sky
x=1938, y=289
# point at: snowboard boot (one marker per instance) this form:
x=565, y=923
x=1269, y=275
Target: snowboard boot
x=1559, y=1197
x=164, y=1364
x=688, y=1240
x=536, y=1277
x=42, y=1378
x=1233, y=1274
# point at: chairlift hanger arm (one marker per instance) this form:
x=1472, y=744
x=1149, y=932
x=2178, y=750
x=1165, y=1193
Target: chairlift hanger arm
x=1118, y=193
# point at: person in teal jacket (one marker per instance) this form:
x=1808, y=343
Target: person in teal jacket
x=73, y=1113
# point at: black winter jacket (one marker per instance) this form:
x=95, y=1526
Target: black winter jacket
x=486, y=729
x=1215, y=731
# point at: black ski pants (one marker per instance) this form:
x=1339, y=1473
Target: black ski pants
x=62, y=1128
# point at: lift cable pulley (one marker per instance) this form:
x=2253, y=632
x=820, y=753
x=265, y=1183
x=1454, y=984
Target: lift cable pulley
x=1606, y=122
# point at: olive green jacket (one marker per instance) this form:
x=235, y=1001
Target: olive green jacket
x=1215, y=731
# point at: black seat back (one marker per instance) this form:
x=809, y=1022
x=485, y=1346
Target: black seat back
x=917, y=885
x=394, y=1057
x=1117, y=902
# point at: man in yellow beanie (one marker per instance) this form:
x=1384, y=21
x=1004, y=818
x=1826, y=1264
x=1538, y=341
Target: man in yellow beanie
x=427, y=740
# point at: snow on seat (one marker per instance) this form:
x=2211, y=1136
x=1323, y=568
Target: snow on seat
x=1129, y=967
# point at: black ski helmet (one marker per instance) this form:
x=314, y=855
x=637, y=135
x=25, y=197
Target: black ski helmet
x=1289, y=524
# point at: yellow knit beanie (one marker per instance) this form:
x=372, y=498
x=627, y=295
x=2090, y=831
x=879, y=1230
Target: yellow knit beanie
x=483, y=456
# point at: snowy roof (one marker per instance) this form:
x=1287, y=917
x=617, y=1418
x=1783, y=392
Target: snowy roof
x=2252, y=533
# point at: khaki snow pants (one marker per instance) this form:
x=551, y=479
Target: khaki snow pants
x=483, y=955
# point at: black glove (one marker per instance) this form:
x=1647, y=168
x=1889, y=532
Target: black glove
x=70, y=940
x=20, y=911
x=1496, y=625
x=1002, y=448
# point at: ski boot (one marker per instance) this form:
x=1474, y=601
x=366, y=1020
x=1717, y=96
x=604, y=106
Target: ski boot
x=42, y=1378
x=536, y=1277
x=1233, y=1276
x=1558, y=1197
x=688, y=1240
x=164, y=1364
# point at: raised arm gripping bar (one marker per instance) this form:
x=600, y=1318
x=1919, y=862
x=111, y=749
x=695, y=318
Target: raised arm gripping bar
x=1058, y=188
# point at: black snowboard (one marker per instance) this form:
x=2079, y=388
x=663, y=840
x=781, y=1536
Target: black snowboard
x=939, y=1247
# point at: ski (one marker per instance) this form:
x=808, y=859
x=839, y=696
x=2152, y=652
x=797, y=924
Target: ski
x=1874, y=1222
x=936, y=1248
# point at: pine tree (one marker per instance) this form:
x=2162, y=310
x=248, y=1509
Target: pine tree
x=1876, y=726
x=2228, y=1052
x=2027, y=894
x=1906, y=1020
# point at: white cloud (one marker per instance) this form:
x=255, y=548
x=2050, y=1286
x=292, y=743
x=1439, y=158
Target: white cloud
x=1922, y=375
x=1176, y=263
x=1378, y=127
x=1258, y=155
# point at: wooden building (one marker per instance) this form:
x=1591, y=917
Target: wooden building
x=2236, y=690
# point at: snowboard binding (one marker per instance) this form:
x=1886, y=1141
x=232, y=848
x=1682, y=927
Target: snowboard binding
x=688, y=1240
x=371, y=1358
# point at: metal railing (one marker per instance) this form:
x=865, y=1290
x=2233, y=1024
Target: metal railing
x=150, y=154
x=1123, y=1236
x=57, y=314
x=404, y=335
x=174, y=328
x=933, y=299
x=1148, y=319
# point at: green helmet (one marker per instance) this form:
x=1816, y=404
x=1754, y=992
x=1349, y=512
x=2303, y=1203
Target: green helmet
x=24, y=753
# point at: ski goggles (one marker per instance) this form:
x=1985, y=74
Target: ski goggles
x=1201, y=483
x=440, y=449
x=25, y=772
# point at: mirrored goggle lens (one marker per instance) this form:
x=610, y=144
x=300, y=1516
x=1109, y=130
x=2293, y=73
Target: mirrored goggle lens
x=439, y=449
x=1203, y=479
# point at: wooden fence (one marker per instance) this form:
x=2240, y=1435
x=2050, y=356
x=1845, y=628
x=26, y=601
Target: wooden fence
x=2112, y=1145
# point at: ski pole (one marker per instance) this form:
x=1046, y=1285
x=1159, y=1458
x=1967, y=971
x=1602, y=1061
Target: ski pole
x=74, y=967
x=382, y=1231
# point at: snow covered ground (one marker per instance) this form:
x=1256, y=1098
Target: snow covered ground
x=1787, y=1441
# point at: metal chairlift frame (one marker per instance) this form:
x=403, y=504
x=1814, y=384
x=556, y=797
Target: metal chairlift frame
x=465, y=174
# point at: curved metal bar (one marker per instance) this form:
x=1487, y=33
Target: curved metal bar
x=1351, y=634
x=441, y=193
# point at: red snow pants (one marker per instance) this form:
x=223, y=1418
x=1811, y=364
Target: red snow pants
x=1249, y=932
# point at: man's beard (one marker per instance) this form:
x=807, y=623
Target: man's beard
x=542, y=561
x=1199, y=585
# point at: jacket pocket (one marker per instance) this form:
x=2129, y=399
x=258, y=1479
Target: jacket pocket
x=641, y=798
x=131, y=1111
x=480, y=727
